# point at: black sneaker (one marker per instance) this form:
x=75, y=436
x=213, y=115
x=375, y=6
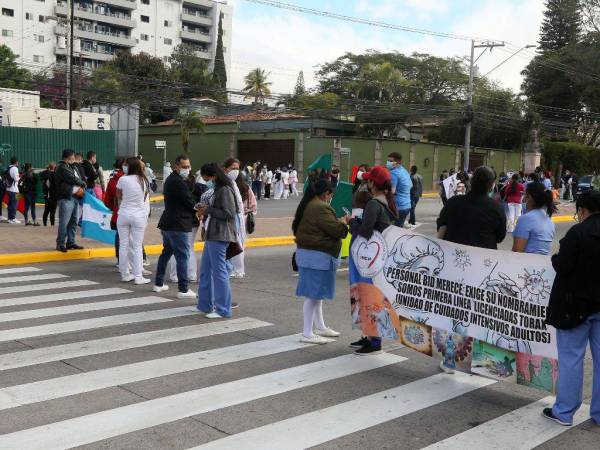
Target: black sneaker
x=74, y=247
x=368, y=349
x=235, y=305
x=360, y=343
x=547, y=413
x=61, y=248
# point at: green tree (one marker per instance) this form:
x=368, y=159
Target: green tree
x=11, y=75
x=257, y=85
x=188, y=122
x=300, y=88
x=385, y=79
x=220, y=71
x=188, y=68
x=561, y=25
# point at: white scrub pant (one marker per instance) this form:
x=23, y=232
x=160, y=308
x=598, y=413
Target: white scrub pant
x=131, y=237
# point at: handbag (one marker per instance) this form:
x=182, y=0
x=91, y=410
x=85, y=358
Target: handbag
x=250, y=223
x=233, y=249
x=79, y=193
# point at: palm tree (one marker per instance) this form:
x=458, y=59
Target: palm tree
x=189, y=121
x=257, y=85
x=385, y=78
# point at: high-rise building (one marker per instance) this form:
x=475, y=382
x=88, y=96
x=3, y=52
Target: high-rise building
x=37, y=30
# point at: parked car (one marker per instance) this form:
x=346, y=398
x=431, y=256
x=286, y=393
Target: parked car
x=585, y=184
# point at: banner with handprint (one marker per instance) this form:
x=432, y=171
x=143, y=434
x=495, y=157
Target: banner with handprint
x=472, y=307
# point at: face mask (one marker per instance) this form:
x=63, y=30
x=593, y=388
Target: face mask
x=210, y=184
x=233, y=175
x=184, y=173
x=125, y=170
x=359, y=175
x=389, y=165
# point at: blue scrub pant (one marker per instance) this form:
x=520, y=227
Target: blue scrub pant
x=572, y=345
x=214, y=291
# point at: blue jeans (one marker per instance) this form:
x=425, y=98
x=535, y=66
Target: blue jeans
x=30, y=205
x=402, y=215
x=68, y=214
x=571, y=354
x=12, y=205
x=175, y=243
x=214, y=292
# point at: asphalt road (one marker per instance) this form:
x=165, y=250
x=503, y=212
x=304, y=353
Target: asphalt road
x=89, y=362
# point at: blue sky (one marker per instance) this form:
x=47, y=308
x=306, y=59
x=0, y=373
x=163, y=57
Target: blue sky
x=285, y=42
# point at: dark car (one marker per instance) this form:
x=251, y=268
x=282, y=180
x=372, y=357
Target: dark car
x=585, y=184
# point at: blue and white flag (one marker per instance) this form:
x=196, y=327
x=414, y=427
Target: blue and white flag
x=95, y=223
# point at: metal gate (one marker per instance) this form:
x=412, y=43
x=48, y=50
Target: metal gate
x=275, y=153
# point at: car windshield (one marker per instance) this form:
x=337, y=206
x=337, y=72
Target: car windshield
x=587, y=179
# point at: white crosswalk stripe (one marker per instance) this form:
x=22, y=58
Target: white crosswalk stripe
x=40, y=391
x=61, y=296
x=324, y=425
x=114, y=344
x=19, y=270
x=28, y=278
x=82, y=307
x=106, y=424
x=45, y=286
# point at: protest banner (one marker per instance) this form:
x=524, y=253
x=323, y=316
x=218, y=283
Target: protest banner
x=481, y=310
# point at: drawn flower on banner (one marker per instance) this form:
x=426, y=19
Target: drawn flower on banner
x=487, y=262
x=462, y=260
x=536, y=288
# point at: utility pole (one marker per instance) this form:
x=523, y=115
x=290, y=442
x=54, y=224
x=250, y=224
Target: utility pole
x=70, y=63
x=469, y=109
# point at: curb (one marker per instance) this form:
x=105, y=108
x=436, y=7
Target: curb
x=562, y=219
x=109, y=252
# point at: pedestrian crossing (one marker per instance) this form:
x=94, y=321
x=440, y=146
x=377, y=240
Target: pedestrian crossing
x=275, y=368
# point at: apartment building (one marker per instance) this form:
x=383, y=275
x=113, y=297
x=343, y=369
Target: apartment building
x=37, y=30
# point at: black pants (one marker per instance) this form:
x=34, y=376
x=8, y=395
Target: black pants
x=2, y=192
x=267, y=191
x=113, y=226
x=49, y=210
x=413, y=205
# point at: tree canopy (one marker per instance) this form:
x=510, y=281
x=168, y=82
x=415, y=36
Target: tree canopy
x=11, y=75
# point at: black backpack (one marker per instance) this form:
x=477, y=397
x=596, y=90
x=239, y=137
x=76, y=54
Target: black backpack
x=5, y=179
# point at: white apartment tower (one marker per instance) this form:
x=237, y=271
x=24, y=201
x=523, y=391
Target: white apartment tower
x=36, y=30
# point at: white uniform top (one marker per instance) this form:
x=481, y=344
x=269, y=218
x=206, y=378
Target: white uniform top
x=136, y=200
x=14, y=176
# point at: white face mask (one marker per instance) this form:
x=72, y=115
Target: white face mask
x=359, y=175
x=184, y=172
x=232, y=175
x=125, y=170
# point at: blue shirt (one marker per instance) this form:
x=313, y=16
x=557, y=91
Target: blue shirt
x=547, y=184
x=538, y=229
x=403, y=184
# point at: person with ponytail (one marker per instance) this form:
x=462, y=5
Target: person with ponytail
x=319, y=237
x=513, y=193
x=534, y=232
x=380, y=212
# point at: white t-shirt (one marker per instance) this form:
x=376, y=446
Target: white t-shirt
x=135, y=202
x=14, y=175
x=285, y=177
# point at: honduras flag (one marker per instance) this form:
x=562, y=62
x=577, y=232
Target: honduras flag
x=95, y=223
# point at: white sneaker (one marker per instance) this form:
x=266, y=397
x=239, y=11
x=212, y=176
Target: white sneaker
x=146, y=264
x=446, y=369
x=146, y=272
x=327, y=332
x=172, y=280
x=142, y=280
x=162, y=288
x=409, y=226
x=314, y=339
x=213, y=315
x=3, y=219
x=237, y=275
x=14, y=222
x=127, y=278
x=188, y=294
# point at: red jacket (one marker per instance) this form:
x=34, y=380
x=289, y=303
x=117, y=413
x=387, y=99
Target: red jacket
x=110, y=196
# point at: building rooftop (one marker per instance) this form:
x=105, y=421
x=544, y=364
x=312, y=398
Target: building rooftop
x=234, y=118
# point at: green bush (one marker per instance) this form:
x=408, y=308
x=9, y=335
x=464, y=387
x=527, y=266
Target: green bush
x=574, y=156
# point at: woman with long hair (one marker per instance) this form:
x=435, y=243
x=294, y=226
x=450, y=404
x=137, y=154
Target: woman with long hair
x=214, y=291
x=379, y=213
x=513, y=193
x=133, y=195
x=319, y=237
x=249, y=205
x=534, y=232
x=28, y=183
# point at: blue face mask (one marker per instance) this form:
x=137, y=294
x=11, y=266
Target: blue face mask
x=210, y=184
x=389, y=165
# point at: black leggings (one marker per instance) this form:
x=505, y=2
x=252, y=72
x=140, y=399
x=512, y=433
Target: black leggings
x=49, y=210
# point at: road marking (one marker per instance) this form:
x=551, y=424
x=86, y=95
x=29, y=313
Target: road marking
x=138, y=416
x=326, y=424
x=98, y=322
x=44, y=286
x=81, y=307
x=27, y=278
x=24, y=394
x=112, y=344
x=521, y=429
x=19, y=270
x=72, y=295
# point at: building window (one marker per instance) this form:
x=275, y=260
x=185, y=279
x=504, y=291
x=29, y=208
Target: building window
x=146, y=2
x=38, y=58
x=168, y=23
x=38, y=38
x=145, y=19
x=144, y=37
x=8, y=12
x=7, y=33
x=28, y=16
x=42, y=18
x=168, y=41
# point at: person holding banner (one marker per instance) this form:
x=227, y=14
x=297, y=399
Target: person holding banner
x=534, y=232
x=319, y=237
x=379, y=213
x=574, y=310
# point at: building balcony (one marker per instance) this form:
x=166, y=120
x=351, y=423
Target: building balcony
x=203, y=3
x=111, y=18
x=87, y=54
x=197, y=19
x=110, y=38
x=196, y=36
x=125, y=4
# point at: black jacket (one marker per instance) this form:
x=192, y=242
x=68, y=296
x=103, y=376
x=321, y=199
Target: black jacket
x=576, y=291
x=91, y=174
x=28, y=182
x=48, y=181
x=66, y=179
x=179, y=205
x=376, y=217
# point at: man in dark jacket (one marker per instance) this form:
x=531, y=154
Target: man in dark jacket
x=68, y=179
x=175, y=225
x=91, y=174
